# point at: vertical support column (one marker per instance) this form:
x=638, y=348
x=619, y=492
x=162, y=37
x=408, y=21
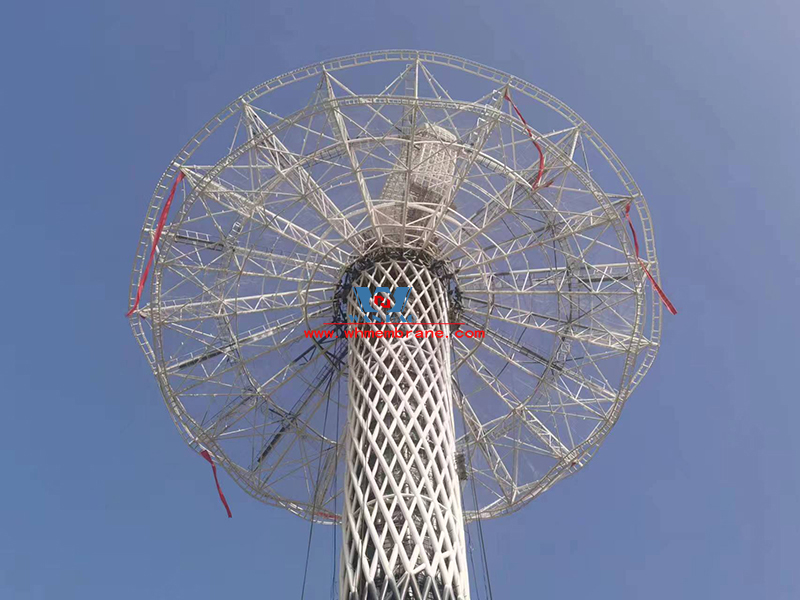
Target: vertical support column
x=403, y=529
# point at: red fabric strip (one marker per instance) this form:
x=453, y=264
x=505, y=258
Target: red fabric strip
x=207, y=455
x=535, y=143
x=327, y=515
x=652, y=279
x=162, y=219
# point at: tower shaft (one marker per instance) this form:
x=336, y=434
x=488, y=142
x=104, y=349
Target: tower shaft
x=403, y=533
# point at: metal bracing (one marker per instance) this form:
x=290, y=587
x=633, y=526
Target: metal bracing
x=397, y=169
x=403, y=530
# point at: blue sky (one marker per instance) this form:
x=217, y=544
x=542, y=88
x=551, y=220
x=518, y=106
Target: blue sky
x=694, y=494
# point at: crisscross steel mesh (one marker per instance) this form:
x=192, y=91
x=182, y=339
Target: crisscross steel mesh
x=404, y=534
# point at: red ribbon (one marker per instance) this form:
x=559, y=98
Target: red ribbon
x=327, y=515
x=535, y=143
x=656, y=287
x=161, y=221
x=207, y=455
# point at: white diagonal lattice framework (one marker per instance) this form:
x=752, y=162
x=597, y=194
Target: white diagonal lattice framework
x=403, y=534
x=389, y=170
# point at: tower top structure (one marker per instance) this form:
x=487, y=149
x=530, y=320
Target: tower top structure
x=404, y=192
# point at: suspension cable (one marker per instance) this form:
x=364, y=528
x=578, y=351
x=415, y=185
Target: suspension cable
x=484, y=559
x=334, y=592
x=471, y=556
x=319, y=472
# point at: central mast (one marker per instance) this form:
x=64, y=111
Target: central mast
x=403, y=528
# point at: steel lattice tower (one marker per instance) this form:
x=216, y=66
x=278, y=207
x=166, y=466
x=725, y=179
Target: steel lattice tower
x=526, y=322
x=403, y=529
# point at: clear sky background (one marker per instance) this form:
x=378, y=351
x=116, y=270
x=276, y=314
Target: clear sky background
x=693, y=495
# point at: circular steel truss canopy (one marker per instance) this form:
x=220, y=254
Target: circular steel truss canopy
x=410, y=168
